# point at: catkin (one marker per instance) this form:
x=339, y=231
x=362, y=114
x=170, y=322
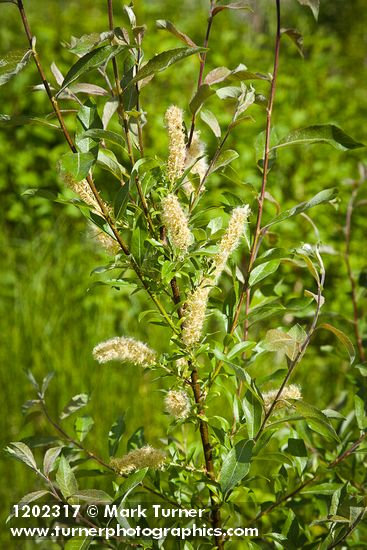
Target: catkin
x=124, y=349
x=145, y=457
x=176, y=143
x=176, y=222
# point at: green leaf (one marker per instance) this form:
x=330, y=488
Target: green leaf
x=200, y=96
x=316, y=420
x=296, y=447
x=342, y=337
x=360, y=410
x=296, y=38
x=263, y=270
x=324, y=196
x=93, y=496
x=87, y=42
x=78, y=544
x=12, y=63
x=252, y=412
x=115, y=434
x=66, y=479
x=89, y=62
x=22, y=452
x=232, y=6
x=320, y=133
x=50, y=458
x=75, y=403
x=106, y=135
x=314, y=6
x=277, y=340
x=121, y=200
x=108, y=161
x=165, y=25
x=22, y=120
x=76, y=164
x=225, y=157
x=82, y=426
x=162, y=61
x=210, y=119
x=236, y=465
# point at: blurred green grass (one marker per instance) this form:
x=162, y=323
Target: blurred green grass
x=50, y=320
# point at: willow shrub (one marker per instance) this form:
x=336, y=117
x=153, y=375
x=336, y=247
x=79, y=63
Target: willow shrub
x=242, y=443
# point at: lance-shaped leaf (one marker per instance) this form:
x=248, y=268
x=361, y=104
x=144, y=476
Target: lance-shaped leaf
x=277, y=340
x=236, y=465
x=90, y=61
x=87, y=42
x=66, y=479
x=342, y=337
x=296, y=38
x=314, y=6
x=316, y=420
x=12, y=63
x=75, y=403
x=77, y=164
x=50, y=458
x=232, y=6
x=162, y=61
x=164, y=24
x=22, y=452
x=320, y=133
x=94, y=496
x=115, y=434
x=324, y=196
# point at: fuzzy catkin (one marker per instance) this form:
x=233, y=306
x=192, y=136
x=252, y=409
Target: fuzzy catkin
x=177, y=403
x=121, y=348
x=231, y=238
x=176, y=143
x=194, y=314
x=145, y=457
x=196, y=304
x=107, y=242
x=176, y=222
x=289, y=392
x=196, y=150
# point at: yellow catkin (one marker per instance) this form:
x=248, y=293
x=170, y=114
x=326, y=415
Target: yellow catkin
x=196, y=304
x=176, y=143
x=146, y=457
x=290, y=392
x=194, y=314
x=231, y=238
x=194, y=152
x=121, y=348
x=177, y=403
x=107, y=242
x=175, y=220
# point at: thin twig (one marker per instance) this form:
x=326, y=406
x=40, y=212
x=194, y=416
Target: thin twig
x=348, y=232
x=202, y=66
x=254, y=248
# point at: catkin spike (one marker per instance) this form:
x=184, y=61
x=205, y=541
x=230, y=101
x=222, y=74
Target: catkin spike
x=124, y=349
x=196, y=150
x=176, y=222
x=194, y=313
x=145, y=457
x=231, y=238
x=177, y=404
x=290, y=392
x=176, y=143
